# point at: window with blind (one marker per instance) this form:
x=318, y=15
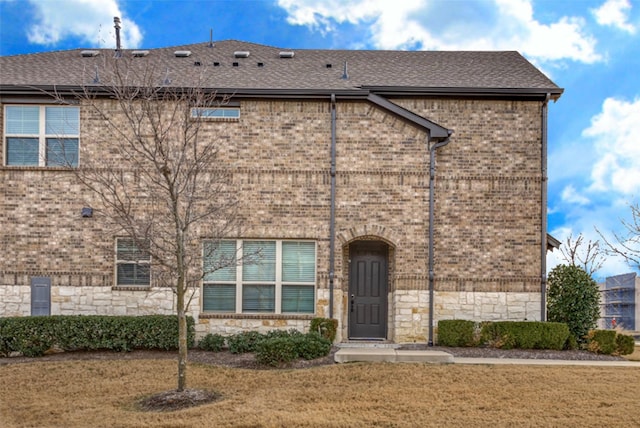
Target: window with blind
x=215, y=113
x=41, y=135
x=132, y=264
x=259, y=276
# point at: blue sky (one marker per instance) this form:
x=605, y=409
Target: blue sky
x=590, y=48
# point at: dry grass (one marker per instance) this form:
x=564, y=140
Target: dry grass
x=103, y=393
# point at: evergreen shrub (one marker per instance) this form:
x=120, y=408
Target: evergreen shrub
x=524, y=335
x=212, y=342
x=33, y=336
x=325, y=327
x=574, y=299
x=456, y=333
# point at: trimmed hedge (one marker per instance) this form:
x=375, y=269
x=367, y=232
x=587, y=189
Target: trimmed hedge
x=456, y=333
x=503, y=334
x=325, y=327
x=272, y=348
x=524, y=335
x=609, y=342
x=33, y=336
x=625, y=344
x=212, y=342
x=246, y=341
x=280, y=349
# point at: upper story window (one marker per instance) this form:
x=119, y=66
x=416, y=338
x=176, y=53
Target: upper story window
x=271, y=277
x=132, y=264
x=41, y=135
x=216, y=112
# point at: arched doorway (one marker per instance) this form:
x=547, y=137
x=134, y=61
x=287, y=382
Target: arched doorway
x=368, y=289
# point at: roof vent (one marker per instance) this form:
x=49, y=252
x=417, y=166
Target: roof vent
x=216, y=64
x=197, y=63
x=241, y=54
x=261, y=64
x=235, y=64
x=329, y=65
x=139, y=54
x=287, y=54
x=89, y=53
x=182, y=54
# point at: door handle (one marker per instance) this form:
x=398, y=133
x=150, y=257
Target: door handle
x=353, y=302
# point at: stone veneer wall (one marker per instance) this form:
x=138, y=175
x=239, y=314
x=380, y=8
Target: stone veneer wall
x=487, y=212
x=411, y=320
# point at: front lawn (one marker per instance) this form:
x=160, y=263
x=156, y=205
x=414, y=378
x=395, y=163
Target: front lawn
x=104, y=393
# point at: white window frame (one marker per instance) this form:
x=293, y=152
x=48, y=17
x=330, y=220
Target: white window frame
x=42, y=135
x=238, y=283
x=215, y=113
x=146, y=261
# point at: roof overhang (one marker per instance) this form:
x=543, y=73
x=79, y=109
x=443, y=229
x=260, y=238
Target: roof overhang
x=344, y=93
x=552, y=243
x=519, y=93
x=436, y=131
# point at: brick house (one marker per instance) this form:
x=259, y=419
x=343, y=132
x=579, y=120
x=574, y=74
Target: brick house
x=410, y=185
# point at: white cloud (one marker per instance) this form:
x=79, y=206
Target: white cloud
x=616, y=131
x=570, y=195
x=89, y=20
x=472, y=25
x=604, y=217
x=615, y=13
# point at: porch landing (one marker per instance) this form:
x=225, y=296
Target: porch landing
x=389, y=354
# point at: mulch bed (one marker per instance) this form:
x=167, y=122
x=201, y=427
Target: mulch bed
x=247, y=361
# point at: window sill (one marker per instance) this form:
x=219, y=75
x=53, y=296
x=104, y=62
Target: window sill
x=131, y=288
x=210, y=315
x=36, y=168
x=219, y=119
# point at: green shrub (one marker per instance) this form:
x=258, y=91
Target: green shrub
x=32, y=336
x=456, y=333
x=574, y=299
x=276, y=350
x=571, y=343
x=524, y=335
x=282, y=333
x=311, y=346
x=325, y=327
x=625, y=344
x=243, y=342
x=602, y=341
x=279, y=346
x=212, y=342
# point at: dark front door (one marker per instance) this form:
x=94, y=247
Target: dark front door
x=368, y=290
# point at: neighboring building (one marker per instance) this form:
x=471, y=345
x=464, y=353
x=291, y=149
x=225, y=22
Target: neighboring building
x=620, y=302
x=387, y=115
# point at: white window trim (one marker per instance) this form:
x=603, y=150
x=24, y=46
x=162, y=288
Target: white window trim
x=278, y=280
x=137, y=262
x=195, y=110
x=41, y=136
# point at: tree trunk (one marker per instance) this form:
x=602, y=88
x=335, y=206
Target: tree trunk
x=182, y=337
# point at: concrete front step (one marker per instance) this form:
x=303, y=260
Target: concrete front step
x=349, y=355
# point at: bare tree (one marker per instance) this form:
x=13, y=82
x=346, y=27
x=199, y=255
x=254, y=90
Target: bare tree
x=154, y=170
x=627, y=243
x=586, y=255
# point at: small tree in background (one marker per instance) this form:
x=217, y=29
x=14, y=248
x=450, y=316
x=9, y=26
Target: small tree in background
x=574, y=299
x=588, y=255
x=627, y=243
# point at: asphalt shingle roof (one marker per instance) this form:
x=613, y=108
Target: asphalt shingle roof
x=307, y=70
